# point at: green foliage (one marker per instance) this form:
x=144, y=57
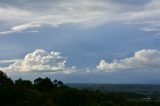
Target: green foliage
x=23, y=83
x=43, y=84
x=44, y=92
x=4, y=80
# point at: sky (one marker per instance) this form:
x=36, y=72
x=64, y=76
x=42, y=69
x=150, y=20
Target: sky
x=86, y=41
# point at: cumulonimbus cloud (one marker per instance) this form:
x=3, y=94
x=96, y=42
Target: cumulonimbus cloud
x=40, y=61
x=142, y=60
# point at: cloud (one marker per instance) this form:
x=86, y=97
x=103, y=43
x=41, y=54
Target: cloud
x=39, y=61
x=6, y=32
x=20, y=28
x=142, y=60
x=25, y=26
x=7, y=61
x=26, y=14
x=14, y=14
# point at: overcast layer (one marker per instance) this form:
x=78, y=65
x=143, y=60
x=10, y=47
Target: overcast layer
x=29, y=15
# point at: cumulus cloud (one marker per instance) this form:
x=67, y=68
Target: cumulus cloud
x=142, y=60
x=39, y=61
x=27, y=14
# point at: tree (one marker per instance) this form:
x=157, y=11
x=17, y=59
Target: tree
x=43, y=84
x=23, y=83
x=38, y=81
x=58, y=83
x=4, y=80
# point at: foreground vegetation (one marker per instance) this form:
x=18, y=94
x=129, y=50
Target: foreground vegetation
x=44, y=92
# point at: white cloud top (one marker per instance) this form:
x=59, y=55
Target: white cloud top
x=142, y=60
x=39, y=61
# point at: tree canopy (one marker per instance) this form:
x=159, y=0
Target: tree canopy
x=44, y=92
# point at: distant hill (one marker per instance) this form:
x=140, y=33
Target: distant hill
x=147, y=89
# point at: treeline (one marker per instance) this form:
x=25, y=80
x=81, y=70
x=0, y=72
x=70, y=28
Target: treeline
x=44, y=92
